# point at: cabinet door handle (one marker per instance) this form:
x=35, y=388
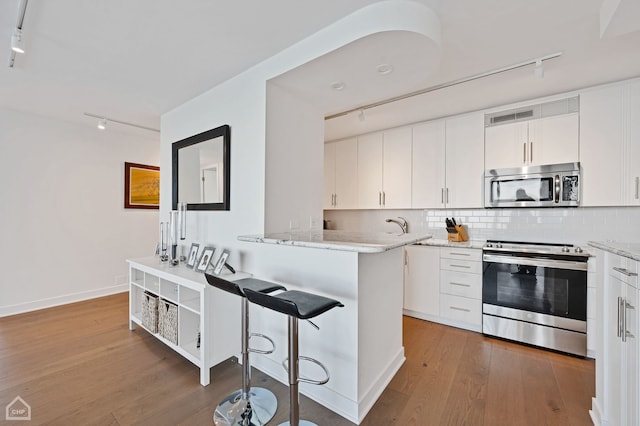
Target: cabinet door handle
x=524, y=153
x=384, y=198
x=455, y=308
x=460, y=266
x=627, y=333
x=447, y=199
x=531, y=152
x=459, y=254
x=459, y=284
x=441, y=195
x=625, y=272
x=637, y=187
x=618, y=319
x=380, y=198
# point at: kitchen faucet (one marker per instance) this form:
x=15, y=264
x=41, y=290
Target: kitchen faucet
x=404, y=225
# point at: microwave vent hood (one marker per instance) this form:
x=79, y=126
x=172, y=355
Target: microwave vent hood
x=532, y=112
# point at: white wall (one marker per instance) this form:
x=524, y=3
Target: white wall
x=65, y=232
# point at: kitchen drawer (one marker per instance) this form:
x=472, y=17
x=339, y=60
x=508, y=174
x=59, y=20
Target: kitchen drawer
x=624, y=269
x=461, y=309
x=461, y=284
x=461, y=253
x=461, y=265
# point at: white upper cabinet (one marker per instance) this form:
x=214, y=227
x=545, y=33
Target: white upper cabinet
x=632, y=183
x=341, y=174
x=428, y=165
x=464, y=161
x=370, y=171
x=549, y=140
x=610, y=145
x=384, y=169
x=448, y=163
x=396, y=168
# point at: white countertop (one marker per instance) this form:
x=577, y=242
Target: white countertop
x=361, y=242
x=475, y=244
x=630, y=250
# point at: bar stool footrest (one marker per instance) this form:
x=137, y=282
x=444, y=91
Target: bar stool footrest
x=285, y=365
x=263, y=351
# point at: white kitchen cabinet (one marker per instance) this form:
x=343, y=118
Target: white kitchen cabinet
x=617, y=381
x=341, y=174
x=610, y=145
x=632, y=181
x=444, y=285
x=464, y=161
x=461, y=287
x=422, y=281
x=428, y=165
x=549, y=140
x=384, y=169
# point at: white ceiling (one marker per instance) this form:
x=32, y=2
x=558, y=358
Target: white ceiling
x=135, y=60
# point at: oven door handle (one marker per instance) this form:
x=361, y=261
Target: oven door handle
x=528, y=261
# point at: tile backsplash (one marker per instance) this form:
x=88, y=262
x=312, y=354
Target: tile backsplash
x=551, y=225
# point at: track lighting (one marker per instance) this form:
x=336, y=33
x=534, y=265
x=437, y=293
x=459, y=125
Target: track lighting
x=538, y=71
x=102, y=122
x=17, y=44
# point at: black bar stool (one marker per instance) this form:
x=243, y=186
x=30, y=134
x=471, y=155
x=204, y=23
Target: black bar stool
x=297, y=305
x=248, y=406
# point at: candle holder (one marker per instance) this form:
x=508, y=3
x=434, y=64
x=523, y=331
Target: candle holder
x=164, y=234
x=173, y=237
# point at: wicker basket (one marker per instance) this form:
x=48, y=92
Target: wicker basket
x=168, y=321
x=150, y=312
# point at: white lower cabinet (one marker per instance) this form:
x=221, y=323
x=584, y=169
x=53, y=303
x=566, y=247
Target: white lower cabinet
x=617, y=397
x=421, y=280
x=444, y=284
x=204, y=314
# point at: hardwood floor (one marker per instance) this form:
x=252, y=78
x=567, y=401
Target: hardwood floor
x=80, y=365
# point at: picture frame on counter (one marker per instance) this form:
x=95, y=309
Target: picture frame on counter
x=193, y=255
x=219, y=265
x=205, y=258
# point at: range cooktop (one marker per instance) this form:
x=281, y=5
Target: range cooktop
x=533, y=248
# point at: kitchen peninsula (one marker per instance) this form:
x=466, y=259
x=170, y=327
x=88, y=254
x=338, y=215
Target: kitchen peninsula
x=361, y=344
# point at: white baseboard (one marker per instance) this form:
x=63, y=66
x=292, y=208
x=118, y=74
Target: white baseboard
x=35, y=305
x=368, y=400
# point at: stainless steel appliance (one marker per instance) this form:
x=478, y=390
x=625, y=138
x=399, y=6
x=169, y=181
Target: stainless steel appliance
x=536, y=293
x=556, y=185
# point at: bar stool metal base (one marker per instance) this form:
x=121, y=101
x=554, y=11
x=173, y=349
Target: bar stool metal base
x=236, y=411
x=301, y=423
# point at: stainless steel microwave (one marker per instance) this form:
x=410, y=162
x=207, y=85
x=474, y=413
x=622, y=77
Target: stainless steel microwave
x=555, y=185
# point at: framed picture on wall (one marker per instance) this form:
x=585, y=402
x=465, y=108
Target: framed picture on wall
x=193, y=255
x=205, y=258
x=141, y=186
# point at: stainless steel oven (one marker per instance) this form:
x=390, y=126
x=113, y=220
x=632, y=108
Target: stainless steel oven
x=536, y=294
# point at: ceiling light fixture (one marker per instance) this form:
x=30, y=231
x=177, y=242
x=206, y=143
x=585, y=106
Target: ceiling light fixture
x=17, y=44
x=337, y=85
x=17, y=40
x=538, y=71
x=449, y=84
x=384, y=69
x=102, y=123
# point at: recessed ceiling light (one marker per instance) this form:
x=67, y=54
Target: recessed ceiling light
x=384, y=69
x=337, y=85
x=102, y=124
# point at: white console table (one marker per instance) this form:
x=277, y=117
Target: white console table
x=201, y=308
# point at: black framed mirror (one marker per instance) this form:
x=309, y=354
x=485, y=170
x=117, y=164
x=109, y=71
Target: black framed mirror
x=201, y=170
